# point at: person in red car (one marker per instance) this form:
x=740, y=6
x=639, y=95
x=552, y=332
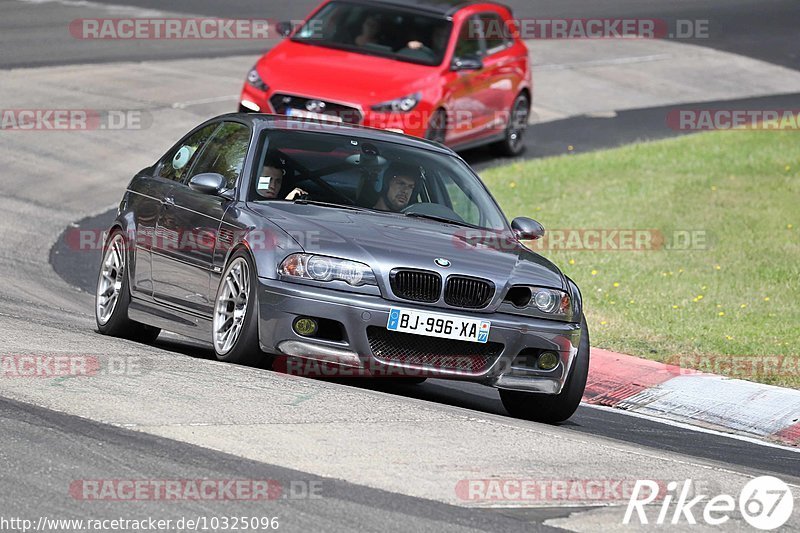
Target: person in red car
x=398, y=185
x=369, y=31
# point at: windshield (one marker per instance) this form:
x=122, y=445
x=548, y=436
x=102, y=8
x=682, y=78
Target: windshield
x=361, y=173
x=383, y=31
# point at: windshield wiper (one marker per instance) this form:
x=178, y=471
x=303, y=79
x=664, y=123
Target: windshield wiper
x=443, y=219
x=305, y=201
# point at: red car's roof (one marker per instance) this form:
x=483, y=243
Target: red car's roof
x=439, y=7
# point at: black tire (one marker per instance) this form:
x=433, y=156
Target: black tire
x=512, y=144
x=118, y=324
x=245, y=349
x=553, y=408
x=437, y=127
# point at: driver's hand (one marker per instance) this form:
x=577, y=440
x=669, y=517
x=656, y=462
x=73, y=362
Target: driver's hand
x=296, y=192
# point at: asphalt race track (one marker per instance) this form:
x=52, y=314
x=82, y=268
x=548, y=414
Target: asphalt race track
x=383, y=457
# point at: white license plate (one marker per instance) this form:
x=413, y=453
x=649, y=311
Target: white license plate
x=308, y=114
x=438, y=325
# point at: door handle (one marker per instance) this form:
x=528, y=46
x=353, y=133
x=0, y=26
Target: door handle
x=170, y=201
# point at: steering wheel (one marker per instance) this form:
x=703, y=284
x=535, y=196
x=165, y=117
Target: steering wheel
x=434, y=210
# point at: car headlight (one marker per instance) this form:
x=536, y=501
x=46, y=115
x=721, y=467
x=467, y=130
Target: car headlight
x=399, y=105
x=323, y=268
x=551, y=302
x=254, y=79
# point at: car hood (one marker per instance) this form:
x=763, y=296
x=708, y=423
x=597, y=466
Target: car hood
x=348, y=77
x=387, y=241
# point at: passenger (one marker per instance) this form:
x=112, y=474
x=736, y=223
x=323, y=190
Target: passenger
x=369, y=31
x=271, y=179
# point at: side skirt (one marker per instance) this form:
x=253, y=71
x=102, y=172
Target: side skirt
x=171, y=319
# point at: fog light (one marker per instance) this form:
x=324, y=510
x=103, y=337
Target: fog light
x=306, y=327
x=548, y=361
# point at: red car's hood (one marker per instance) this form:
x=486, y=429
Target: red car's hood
x=349, y=77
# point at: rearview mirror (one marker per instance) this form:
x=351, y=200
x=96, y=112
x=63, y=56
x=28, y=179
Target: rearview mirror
x=208, y=183
x=527, y=229
x=283, y=28
x=470, y=62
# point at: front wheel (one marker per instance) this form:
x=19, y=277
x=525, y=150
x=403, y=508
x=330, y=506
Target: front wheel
x=512, y=144
x=235, y=323
x=113, y=295
x=557, y=407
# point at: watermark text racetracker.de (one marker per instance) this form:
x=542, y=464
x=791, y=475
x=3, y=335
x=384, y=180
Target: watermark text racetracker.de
x=734, y=119
x=43, y=119
x=589, y=28
x=44, y=366
x=591, y=239
x=174, y=28
x=172, y=490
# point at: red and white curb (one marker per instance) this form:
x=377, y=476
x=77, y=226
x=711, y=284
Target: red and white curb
x=691, y=397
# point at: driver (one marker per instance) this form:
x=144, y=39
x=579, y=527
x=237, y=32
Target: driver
x=271, y=179
x=398, y=185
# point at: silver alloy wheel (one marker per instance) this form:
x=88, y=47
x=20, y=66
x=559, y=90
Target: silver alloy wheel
x=519, y=122
x=230, y=308
x=109, y=286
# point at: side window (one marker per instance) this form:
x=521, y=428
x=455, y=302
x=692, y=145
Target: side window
x=225, y=153
x=470, y=39
x=179, y=160
x=496, y=33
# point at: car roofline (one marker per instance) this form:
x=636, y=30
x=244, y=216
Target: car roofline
x=283, y=122
x=444, y=9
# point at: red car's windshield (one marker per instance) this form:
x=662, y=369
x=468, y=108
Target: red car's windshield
x=382, y=31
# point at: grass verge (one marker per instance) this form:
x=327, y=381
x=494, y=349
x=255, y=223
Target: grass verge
x=728, y=301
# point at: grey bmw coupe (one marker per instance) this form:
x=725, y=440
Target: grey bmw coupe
x=379, y=254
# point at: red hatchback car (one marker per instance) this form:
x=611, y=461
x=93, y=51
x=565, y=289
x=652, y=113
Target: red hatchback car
x=453, y=71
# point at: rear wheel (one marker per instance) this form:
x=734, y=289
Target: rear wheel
x=113, y=295
x=512, y=144
x=553, y=408
x=235, y=323
x=437, y=127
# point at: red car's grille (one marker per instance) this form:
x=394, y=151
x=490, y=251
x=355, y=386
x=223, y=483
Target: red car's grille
x=430, y=352
x=281, y=103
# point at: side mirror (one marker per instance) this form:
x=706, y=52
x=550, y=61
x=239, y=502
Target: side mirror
x=527, y=229
x=470, y=62
x=284, y=28
x=208, y=183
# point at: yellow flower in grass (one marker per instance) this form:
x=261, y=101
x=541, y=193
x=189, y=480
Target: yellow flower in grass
x=717, y=267
x=603, y=323
x=594, y=272
x=674, y=306
x=616, y=284
x=571, y=261
x=632, y=302
x=789, y=226
x=766, y=298
x=513, y=184
x=721, y=313
x=743, y=306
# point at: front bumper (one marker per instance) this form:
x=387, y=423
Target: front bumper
x=280, y=303
x=414, y=123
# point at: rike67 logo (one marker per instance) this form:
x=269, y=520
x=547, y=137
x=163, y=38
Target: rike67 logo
x=765, y=503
